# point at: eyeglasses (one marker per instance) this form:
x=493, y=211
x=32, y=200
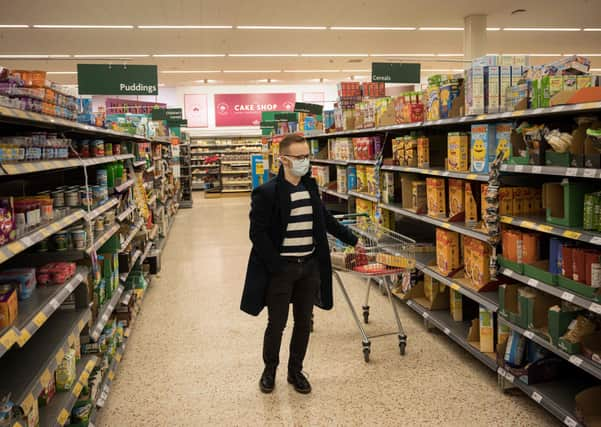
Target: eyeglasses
x=301, y=157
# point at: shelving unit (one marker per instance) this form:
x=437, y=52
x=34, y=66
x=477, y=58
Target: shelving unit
x=556, y=396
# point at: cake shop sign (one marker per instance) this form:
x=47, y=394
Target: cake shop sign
x=245, y=109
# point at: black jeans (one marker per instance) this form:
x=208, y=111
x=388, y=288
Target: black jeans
x=297, y=283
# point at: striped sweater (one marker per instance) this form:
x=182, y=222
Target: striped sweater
x=298, y=239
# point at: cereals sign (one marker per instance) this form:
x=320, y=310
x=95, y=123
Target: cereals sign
x=107, y=79
x=245, y=109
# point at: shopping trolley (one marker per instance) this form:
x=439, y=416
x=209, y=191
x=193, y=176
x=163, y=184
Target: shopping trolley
x=381, y=257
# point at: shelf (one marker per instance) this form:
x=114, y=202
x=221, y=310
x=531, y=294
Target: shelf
x=330, y=162
x=104, y=388
x=26, y=371
x=453, y=226
x=235, y=162
x=243, y=171
x=150, y=169
x=123, y=215
x=246, y=190
x=139, y=163
x=153, y=232
x=11, y=249
x=539, y=224
x=126, y=297
x=437, y=172
x=137, y=254
x=111, y=203
x=227, y=145
x=364, y=196
x=557, y=397
x=202, y=153
x=564, y=294
x=121, y=188
x=206, y=166
x=146, y=252
x=36, y=310
x=457, y=331
x=59, y=409
x=104, y=237
x=131, y=235
x=553, y=170
x=551, y=111
x=583, y=363
x=46, y=165
x=105, y=313
x=363, y=162
x=247, y=182
x=156, y=159
x=488, y=300
x=205, y=173
x=334, y=193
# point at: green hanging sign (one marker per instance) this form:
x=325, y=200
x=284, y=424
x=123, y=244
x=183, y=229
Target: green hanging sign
x=395, y=72
x=107, y=79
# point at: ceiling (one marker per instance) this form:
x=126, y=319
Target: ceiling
x=136, y=44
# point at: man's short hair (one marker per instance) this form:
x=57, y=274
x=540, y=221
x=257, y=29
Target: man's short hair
x=288, y=140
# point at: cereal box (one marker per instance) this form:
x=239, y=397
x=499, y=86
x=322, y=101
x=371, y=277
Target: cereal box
x=436, y=193
x=456, y=197
x=388, y=187
x=456, y=304
x=458, y=148
x=398, y=151
x=505, y=83
x=493, y=86
x=471, y=207
x=410, y=151
x=419, y=202
x=433, y=103
x=447, y=251
x=361, y=179
x=505, y=201
x=341, y=181
x=370, y=172
x=423, y=152
x=503, y=139
x=474, y=95
x=483, y=147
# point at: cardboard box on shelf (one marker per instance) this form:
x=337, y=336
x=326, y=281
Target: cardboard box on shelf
x=475, y=101
x=503, y=139
x=418, y=197
x=447, y=251
x=505, y=84
x=456, y=197
x=477, y=262
x=487, y=331
x=587, y=406
x=388, y=187
x=558, y=322
x=370, y=172
x=503, y=332
x=505, y=201
x=564, y=202
x=321, y=175
x=423, y=152
x=436, y=293
x=538, y=305
x=341, y=179
x=493, y=88
x=436, y=193
x=471, y=207
x=458, y=152
x=9, y=308
x=483, y=147
x=456, y=305
x=361, y=179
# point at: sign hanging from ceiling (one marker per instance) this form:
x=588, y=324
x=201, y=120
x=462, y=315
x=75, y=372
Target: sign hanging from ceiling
x=107, y=79
x=196, y=110
x=395, y=72
x=244, y=109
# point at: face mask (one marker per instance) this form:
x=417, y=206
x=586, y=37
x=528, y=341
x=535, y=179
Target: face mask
x=299, y=167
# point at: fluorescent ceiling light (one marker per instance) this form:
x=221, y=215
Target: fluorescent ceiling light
x=493, y=54
x=596, y=69
x=365, y=70
x=450, y=55
x=413, y=55
x=441, y=28
x=252, y=71
x=339, y=55
x=184, y=27
x=161, y=84
x=592, y=29
x=493, y=29
x=13, y=26
x=540, y=29
x=205, y=81
x=111, y=55
x=61, y=72
x=534, y=54
x=33, y=56
x=312, y=71
x=585, y=54
x=373, y=28
x=262, y=55
x=103, y=27
x=189, y=55
x=279, y=27
x=190, y=71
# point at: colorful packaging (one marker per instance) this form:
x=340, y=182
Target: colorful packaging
x=9, y=308
x=66, y=372
x=436, y=196
x=370, y=173
x=474, y=92
x=493, y=87
x=505, y=84
x=423, y=152
x=456, y=304
x=456, y=197
x=341, y=181
x=361, y=179
x=503, y=139
x=505, y=201
x=449, y=90
x=458, y=149
x=447, y=251
x=419, y=203
x=433, y=103
x=388, y=187
x=410, y=151
x=398, y=151
x=483, y=148
x=487, y=336
x=351, y=178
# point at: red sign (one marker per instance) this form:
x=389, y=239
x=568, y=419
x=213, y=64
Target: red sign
x=196, y=110
x=245, y=109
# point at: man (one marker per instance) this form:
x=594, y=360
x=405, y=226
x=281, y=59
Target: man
x=290, y=259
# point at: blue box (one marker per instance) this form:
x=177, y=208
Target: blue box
x=483, y=147
x=351, y=179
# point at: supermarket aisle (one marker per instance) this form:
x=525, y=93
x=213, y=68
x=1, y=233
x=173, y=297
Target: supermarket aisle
x=195, y=359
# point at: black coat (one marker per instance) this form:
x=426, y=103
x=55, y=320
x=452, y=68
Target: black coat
x=269, y=214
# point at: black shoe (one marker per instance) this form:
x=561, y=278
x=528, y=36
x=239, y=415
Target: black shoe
x=299, y=381
x=267, y=381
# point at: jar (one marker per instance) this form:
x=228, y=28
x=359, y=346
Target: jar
x=42, y=246
x=102, y=177
x=72, y=198
x=109, y=218
x=58, y=198
x=84, y=148
x=97, y=194
x=47, y=212
x=86, y=197
x=79, y=239
x=116, y=149
x=108, y=149
x=60, y=241
x=99, y=225
x=97, y=148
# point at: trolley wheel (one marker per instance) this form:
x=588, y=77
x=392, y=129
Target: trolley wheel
x=366, y=314
x=366, y=352
x=402, y=344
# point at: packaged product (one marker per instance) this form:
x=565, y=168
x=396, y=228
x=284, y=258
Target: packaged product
x=419, y=202
x=361, y=179
x=370, y=173
x=433, y=103
x=81, y=412
x=410, y=151
x=351, y=178
x=483, y=149
x=8, y=306
x=456, y=197
x=471, y=207
x=505, y=84
x=449, y=90
x=503, y=332
x=47, y=393
x=388, y=188
x=487, y=336
x=436, y=197
x=398, y=151
x=492, y=88
x=66, y=372
x=474, y=91
x=516, y=346
x=22, y=279
x=423, y=152
x=458, y=149
x=447, y=251
x=456, y=305
x=503, y=139
x=341, y=181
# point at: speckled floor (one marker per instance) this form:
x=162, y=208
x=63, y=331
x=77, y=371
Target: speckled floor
x=195, y=359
